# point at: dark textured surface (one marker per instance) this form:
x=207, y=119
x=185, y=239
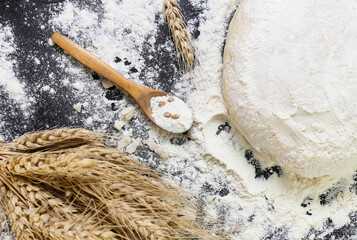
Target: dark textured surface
x=25, y=17
x=54, y=110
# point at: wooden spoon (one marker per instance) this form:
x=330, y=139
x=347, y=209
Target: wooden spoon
x=141, y=94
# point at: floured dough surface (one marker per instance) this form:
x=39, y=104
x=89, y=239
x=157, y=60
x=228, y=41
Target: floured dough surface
x=290, y=81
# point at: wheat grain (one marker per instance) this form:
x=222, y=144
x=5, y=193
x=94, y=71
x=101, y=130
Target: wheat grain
x=179, y=33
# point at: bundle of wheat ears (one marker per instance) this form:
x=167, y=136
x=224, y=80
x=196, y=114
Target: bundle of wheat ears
x=67, y=184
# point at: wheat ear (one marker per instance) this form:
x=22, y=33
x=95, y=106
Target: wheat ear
x=54, y=139
x=180, y=33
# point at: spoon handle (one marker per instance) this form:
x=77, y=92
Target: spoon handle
x=94, y=63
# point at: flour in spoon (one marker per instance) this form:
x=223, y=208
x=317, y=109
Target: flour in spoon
x=171, y=114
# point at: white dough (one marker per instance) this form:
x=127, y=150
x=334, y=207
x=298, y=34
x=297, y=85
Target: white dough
x=290, y=82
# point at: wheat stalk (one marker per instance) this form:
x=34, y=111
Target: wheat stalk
x=180, y=33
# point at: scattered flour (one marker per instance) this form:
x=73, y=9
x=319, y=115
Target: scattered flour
x=7, y=76
x=131, y=148
x=89, y=121
x=161, y=150
x=78, y=107
x=118, y=124
x=107, y=84
x=50, y=42
x=37, y=61
x=125, y=141
x=78, y=86
x=128, y=113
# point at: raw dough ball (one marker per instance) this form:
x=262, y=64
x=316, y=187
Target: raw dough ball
x=290, y=81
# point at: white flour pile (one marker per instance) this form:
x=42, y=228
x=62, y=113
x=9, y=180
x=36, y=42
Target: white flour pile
x=235, y=184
